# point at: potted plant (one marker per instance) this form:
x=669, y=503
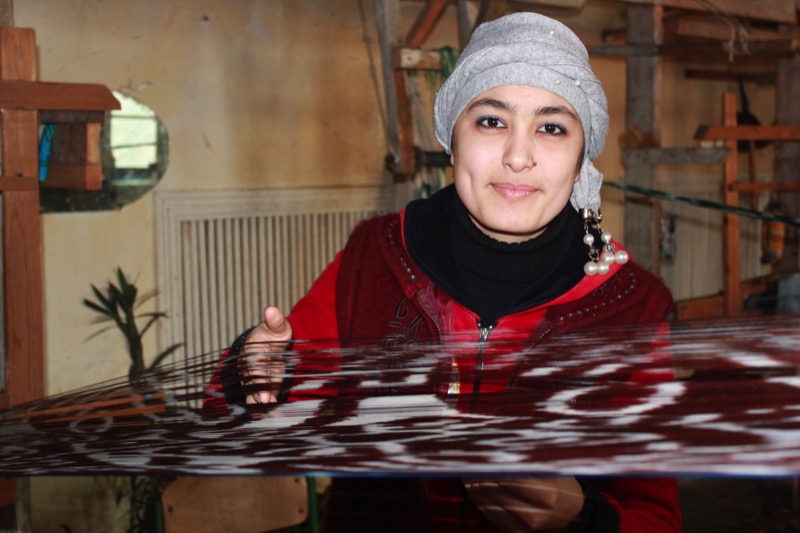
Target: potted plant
x=118, y=304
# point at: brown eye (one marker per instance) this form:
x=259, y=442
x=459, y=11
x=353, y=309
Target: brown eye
x=491, y=122
x=552, y=129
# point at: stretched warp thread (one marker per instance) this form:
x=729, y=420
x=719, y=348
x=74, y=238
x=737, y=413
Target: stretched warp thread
x=569, y=406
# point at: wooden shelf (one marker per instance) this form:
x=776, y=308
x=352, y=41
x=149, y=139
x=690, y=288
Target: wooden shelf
x=36, y=95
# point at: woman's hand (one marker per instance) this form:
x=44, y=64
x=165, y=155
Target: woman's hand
x=525, y=504
x=262, y=368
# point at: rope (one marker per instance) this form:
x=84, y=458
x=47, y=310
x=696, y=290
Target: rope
x=736, y=210
x=739, y=32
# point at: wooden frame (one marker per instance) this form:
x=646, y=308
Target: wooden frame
x=22, y=270
x=80, y=108
x=21, y=98
x=730, y=133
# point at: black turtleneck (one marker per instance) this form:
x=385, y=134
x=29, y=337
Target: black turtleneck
x=493, y=278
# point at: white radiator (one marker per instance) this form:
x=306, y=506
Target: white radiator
x=224, y=255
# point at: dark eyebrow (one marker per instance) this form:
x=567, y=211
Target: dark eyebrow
x=557, y=110
x=489, y=102
x=504, y=106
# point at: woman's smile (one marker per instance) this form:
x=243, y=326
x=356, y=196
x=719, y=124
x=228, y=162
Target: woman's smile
x=513, y=191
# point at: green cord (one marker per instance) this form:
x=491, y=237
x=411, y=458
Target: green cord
x=447, y=60
x=742, y=211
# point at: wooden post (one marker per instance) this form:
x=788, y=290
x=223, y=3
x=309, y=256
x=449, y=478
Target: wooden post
x=466, y=22
x=731, y=223
x=787, y=155
x=22, y=270
x=21, y=234
x=399, y=129
x=643, y=112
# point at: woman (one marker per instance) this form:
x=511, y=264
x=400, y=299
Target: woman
x=502, y=253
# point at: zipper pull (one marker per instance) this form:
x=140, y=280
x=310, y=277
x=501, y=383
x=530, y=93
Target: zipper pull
x=483, y=336
x=484, y=331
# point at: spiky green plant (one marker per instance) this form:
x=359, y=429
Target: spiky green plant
x=118, y=305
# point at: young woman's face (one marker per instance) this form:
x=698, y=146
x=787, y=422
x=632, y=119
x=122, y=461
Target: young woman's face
x=516, y=155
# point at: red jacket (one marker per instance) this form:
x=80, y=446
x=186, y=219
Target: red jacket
x=374, y=290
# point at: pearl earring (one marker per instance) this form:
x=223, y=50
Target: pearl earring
x=600, y=260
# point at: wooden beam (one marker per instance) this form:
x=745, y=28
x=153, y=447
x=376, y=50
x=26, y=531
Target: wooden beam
x=22, y=261
x=490, y=10
x=425, y=22
x=416, y=59
x=405, y=128
x=748, y=133
x=787, y=155
x=18, y=94
x=765, y=186
x=18, y=183
x=643, y=113
x=761, y=78
x=773, y=10
x=466, y=22
x=716, y=29
x=731, y=223
x=652, y=157
x=698, y=51
x=15, y=54
x=713, y=306
x=387, y=15
x=98, y=406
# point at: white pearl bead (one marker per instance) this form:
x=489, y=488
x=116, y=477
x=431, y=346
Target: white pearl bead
x=590, y=268
x=588, y=239
x=602, y=269
x=621, y=257
x=605, y=237
x=608, y=258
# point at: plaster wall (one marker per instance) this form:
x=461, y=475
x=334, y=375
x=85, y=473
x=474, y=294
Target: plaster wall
x=254, y=94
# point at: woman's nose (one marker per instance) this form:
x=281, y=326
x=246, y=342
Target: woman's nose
x=519, y=152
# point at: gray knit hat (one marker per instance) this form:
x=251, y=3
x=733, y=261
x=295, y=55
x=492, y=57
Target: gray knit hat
x=530, y=49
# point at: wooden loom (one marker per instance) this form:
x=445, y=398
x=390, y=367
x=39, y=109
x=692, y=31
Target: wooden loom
x=730, y=302
x=80, y=109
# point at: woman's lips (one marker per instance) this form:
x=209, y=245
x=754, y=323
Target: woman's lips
x=514, y=191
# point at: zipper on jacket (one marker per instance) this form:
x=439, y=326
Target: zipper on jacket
x=484, y=331
x=483, y=338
